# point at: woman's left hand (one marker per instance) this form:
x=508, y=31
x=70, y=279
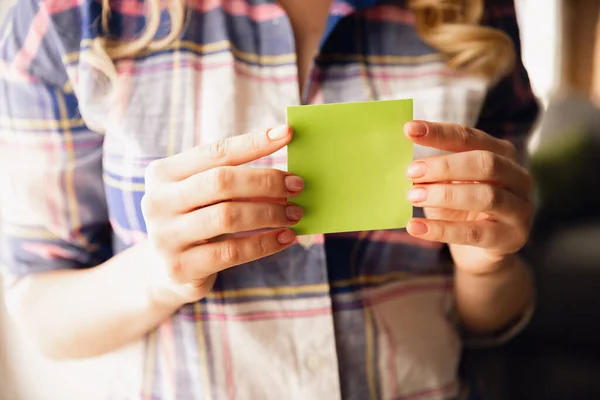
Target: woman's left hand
x=477, y=199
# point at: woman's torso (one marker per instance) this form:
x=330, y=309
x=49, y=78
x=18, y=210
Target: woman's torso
x=353, y=316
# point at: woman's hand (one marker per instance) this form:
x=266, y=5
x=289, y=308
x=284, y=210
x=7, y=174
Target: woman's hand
x=195, y=200
x=477, y=199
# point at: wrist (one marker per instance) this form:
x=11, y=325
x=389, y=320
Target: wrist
x=161, y=296
x=158, y=290
x=488, y=266
x=490, y=301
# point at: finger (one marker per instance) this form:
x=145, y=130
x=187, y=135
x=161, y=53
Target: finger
x=480, y=166
x=224, y=218
x=207, y=259
x=485, y=234
x=456, y=138
x=477, y=197
x=227, y=183
x=233, y=151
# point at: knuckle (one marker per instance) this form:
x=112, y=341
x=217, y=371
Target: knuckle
x=489, y=197
x=521, y=236
x=448, y=194
x=270, y=213
x=254, y=141
x=510, y=149
x=441, y=234
x=223, y=180
x=213, y=255
x=229, y=253
x=218, y=149
x=154, y=239
x=262, y=245
x=149, y=206
x=445, y=167
x=175, y=268
x=171, y=238
x=527, y=213
x=267, y=181
x=434, y=128
x=162, y=239
x=473, y=235
x=224, y=217
x=510, y=240
x=258, y=247
x=181, y=194
x=488, y=163
x=465, y=133
x=153, y=171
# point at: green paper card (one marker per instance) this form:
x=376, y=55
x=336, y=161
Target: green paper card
x=353, y=159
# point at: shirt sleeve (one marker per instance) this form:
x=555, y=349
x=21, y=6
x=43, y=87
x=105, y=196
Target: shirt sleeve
x=502, y=336
x=509, y=112
x=54, y=212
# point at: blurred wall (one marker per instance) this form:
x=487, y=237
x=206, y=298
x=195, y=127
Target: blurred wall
x=541, y=35
x=580, y=72
x=26, y=375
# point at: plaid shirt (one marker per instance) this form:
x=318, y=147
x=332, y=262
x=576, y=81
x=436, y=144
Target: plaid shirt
x=366, y=315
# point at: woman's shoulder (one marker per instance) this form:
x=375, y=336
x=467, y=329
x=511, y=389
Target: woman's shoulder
x=38, y=36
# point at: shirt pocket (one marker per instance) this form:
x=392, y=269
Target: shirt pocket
x=417, y=346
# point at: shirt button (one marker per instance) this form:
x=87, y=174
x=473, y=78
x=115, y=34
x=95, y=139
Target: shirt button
x=316, y=363
x=306, y=241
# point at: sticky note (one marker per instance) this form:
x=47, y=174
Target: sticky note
x=353, y=158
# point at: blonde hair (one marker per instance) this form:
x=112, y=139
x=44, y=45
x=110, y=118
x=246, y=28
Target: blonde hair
x=104, y=51
x=450, y=26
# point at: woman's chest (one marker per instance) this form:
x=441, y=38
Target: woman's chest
x=234, y=71
x=231, y=74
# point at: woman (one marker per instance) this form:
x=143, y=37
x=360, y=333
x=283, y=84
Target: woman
x=126, y=122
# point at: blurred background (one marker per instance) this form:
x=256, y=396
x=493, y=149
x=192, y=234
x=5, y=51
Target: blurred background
x=558, y=356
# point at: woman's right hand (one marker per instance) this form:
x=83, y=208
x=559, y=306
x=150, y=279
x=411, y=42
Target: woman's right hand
x=196, y=199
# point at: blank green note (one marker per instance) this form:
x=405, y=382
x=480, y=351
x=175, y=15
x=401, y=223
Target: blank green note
x=353, y=158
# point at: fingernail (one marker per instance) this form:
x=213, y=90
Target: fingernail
x=293, y=213
x=278, y=133
x=415, y=129
x=286, y=237
x=417, y=194
x=416, y=170
x=417, y=228
x=293, y=183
